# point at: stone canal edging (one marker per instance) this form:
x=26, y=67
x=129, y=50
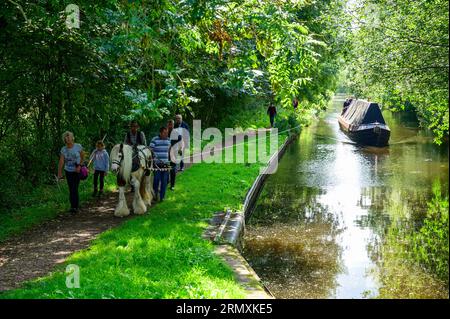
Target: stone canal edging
x=227, y=229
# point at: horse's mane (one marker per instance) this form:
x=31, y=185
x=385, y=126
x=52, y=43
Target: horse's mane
x=125, y=168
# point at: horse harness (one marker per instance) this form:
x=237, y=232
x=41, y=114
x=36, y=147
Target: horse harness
x=136, y=159
x=149, y=166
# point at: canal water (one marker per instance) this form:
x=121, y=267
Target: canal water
x=324, y=225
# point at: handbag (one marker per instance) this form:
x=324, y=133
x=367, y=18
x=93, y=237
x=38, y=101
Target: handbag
x=84, y=172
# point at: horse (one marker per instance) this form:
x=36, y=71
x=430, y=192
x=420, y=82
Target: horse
x=122, y=165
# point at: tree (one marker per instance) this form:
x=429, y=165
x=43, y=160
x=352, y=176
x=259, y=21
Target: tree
x=400, y=57
x=148, y=59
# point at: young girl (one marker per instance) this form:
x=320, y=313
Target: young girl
x=100, y=158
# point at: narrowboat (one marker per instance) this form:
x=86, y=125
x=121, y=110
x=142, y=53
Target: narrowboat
x=363, y=123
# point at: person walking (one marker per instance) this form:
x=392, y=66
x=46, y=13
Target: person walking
x=272, y=111
x=160, y=146
x=100, y=158
x=71, y=157
x=295, y=103
x=183, y=130
x=175, y=138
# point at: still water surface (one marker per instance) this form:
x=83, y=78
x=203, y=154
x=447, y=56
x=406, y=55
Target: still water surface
x=320, y=225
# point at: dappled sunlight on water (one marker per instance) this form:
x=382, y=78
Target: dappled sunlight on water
x=320, y=225
x=302, y=259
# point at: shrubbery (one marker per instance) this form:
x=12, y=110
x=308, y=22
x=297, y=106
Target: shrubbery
x=430, y=245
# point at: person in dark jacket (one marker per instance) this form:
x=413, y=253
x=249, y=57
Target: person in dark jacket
x=295, y=103
x=272, y=111
x=134, y=137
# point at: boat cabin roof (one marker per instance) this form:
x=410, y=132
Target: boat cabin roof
x=363, y=112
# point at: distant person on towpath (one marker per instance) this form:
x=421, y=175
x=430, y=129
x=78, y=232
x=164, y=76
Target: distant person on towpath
x=295, y=103
x=272, y=111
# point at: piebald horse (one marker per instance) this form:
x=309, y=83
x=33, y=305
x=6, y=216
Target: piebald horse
x=121, y=165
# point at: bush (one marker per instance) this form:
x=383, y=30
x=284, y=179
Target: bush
x=430, y=245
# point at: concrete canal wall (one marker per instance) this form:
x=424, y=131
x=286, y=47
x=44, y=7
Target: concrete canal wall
x=227, y=230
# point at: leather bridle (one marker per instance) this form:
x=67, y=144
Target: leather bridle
x=121, y=155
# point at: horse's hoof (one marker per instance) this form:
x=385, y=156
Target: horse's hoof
x=121, y=214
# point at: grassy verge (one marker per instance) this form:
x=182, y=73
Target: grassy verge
x=160, y=254
x=45, y=203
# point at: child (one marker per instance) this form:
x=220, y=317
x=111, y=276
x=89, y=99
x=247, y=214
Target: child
x=100, y=158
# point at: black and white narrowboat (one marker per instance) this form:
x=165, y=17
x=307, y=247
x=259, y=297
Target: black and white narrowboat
x=363, y=122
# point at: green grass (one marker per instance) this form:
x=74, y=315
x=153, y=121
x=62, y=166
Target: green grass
x=45, y=203
x=160, y=254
